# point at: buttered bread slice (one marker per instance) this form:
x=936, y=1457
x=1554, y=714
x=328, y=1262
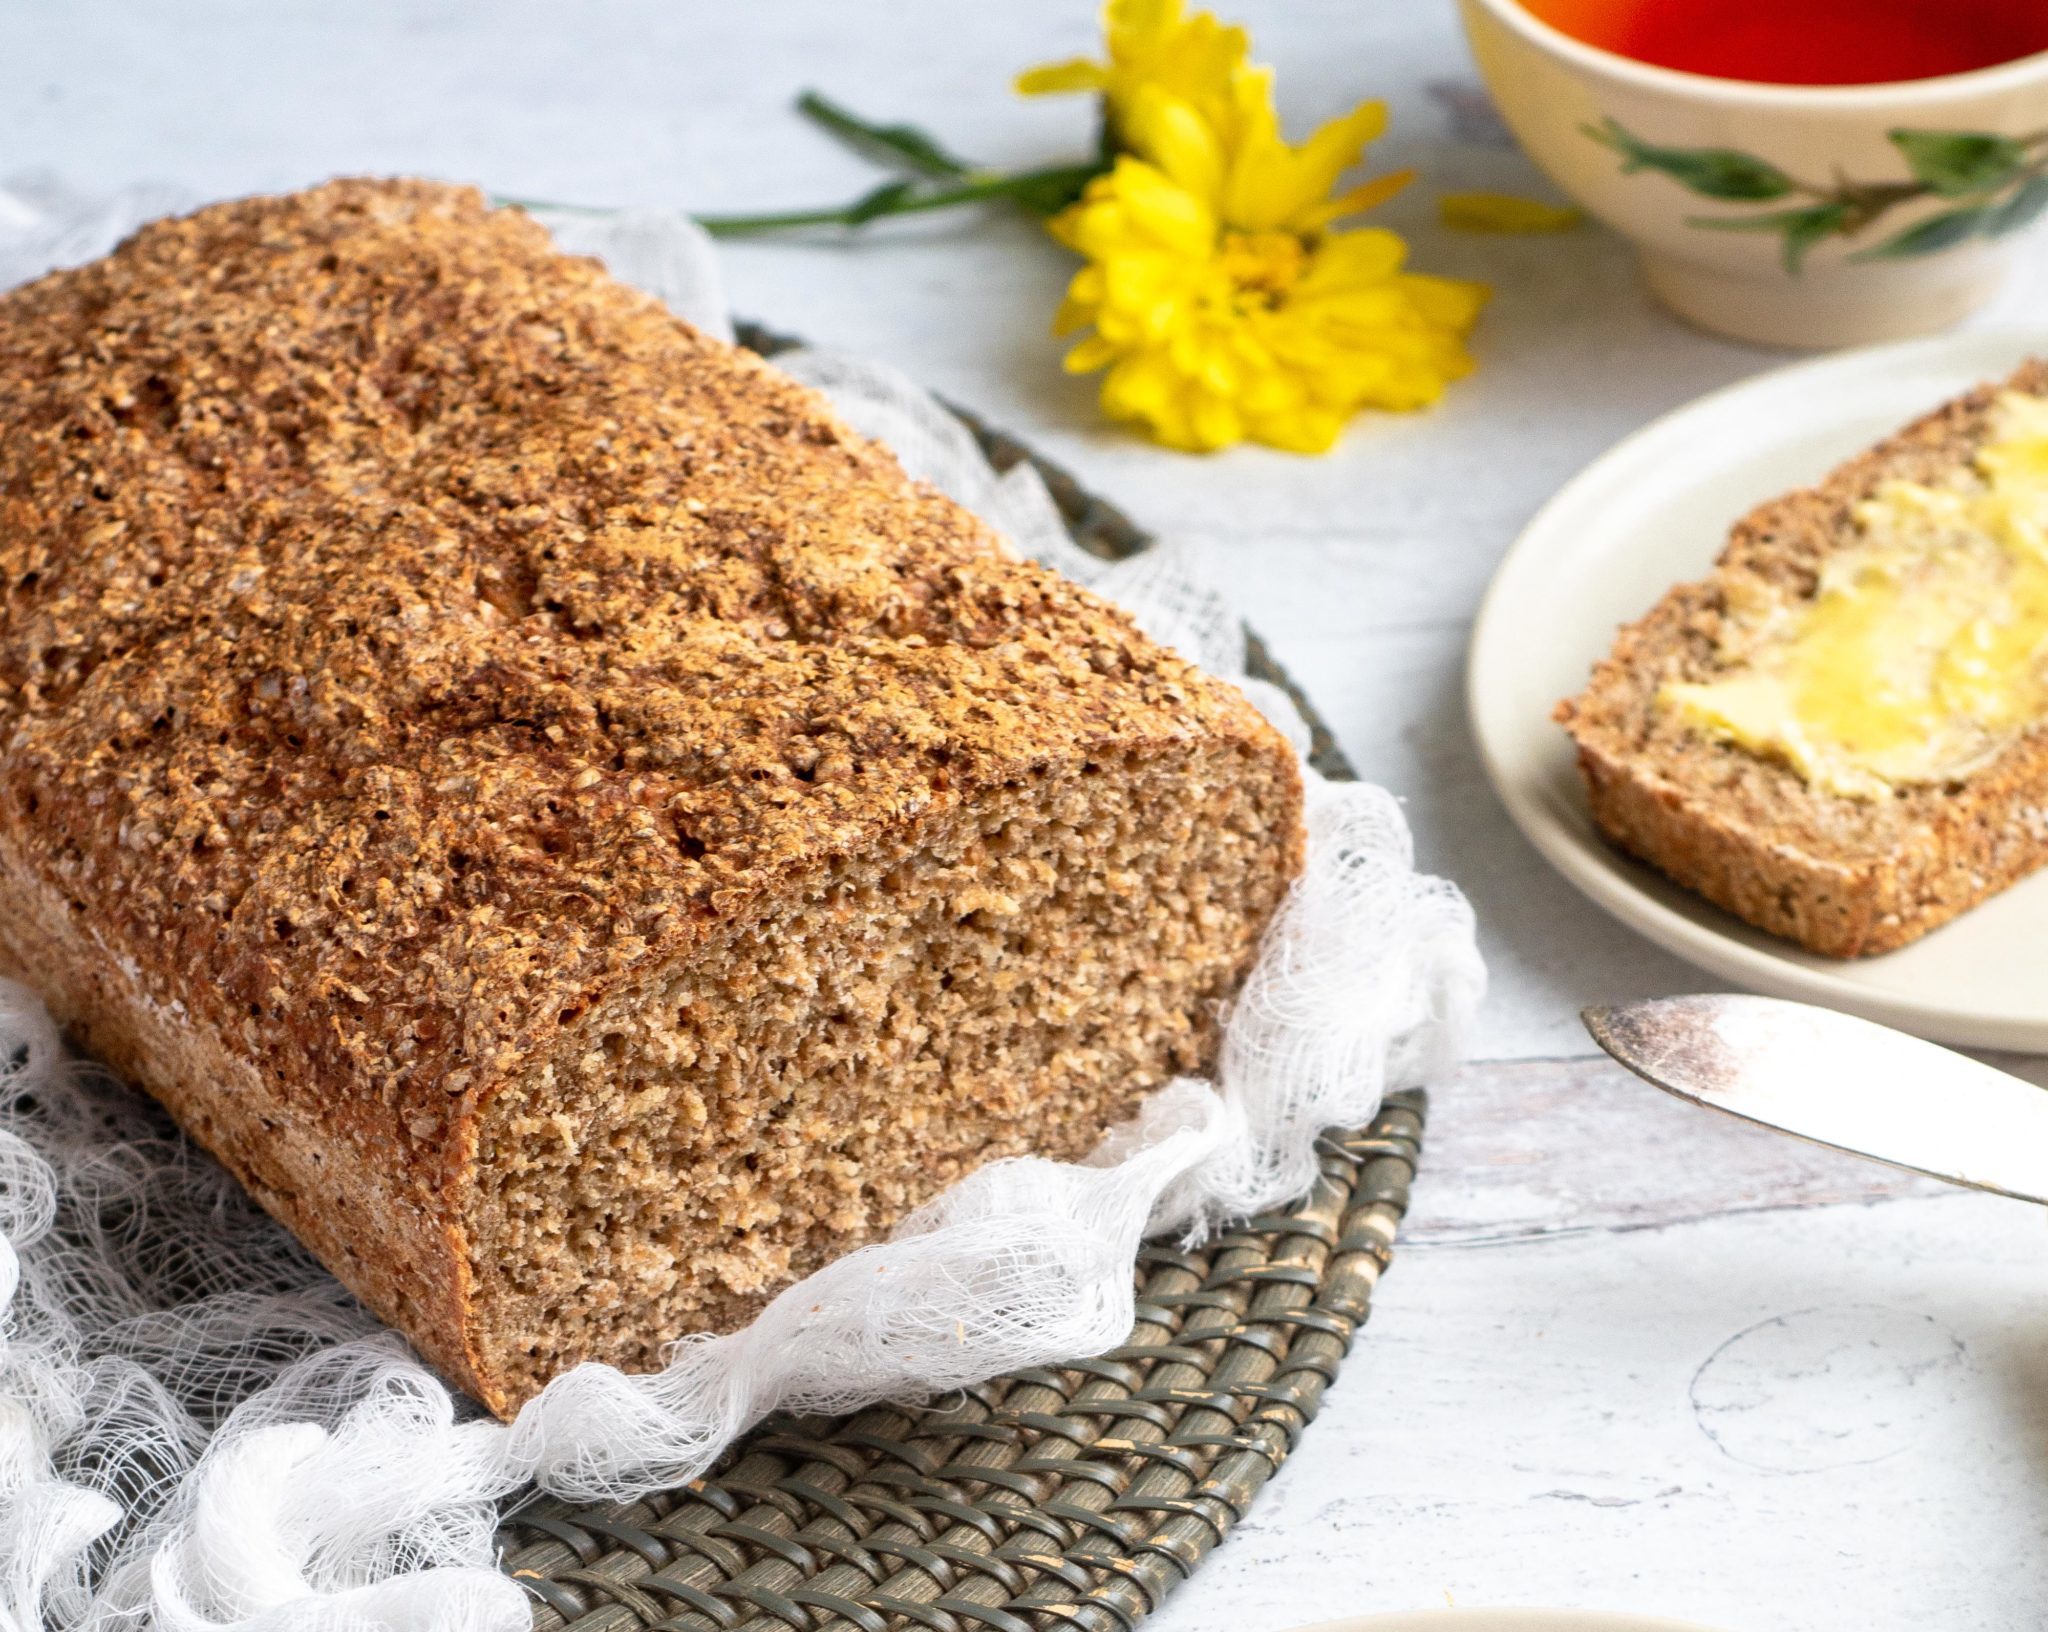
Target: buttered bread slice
x=1839, y=734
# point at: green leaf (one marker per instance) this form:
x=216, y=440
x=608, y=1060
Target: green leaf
x=1713, y=172
x=1047, y=192
x=887, y=199
x=901, y=147
x=1802, y=228
x=1959, y=162
x=2023, y=209
x=1933, y=235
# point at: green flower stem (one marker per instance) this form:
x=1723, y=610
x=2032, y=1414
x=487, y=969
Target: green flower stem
x=1043, y=192
x=935, y=179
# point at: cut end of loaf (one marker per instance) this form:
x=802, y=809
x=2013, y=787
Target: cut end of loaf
x=1010, y=977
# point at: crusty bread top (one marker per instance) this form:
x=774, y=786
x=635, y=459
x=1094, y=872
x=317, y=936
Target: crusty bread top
x=409, y=631
x=1782, y=544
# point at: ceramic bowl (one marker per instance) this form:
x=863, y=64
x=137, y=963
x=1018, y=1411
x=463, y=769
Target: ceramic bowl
x=1796, y=215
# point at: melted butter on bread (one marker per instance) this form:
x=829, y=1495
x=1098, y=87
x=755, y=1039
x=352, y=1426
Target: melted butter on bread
x=1923, y=649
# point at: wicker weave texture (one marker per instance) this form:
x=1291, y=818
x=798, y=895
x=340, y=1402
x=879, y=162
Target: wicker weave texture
x=1060, y=1497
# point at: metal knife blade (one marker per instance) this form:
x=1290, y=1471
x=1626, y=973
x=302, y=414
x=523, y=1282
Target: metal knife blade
x=1839, y=1081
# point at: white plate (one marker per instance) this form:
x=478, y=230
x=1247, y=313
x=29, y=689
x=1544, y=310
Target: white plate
x=1651, y=511
x=1504, y=1620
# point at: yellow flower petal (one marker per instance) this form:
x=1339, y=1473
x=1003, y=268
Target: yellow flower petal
x=1261, y=179
x=1274, y=184
x=1364, y=255
x=1152, y=43
x=1218, y=300
x=1367, y=195
x=1091, y=354
x=1306, y=430
x=1176, y=218
x=1129, y=23
x=1062, y=78
x=1272, y=393
x=1333, y=149
x=1143, y=386
x=1452, y=303
x=1171, y=135
x=1213, y=419
x=1072, y=316
x=1504, y=212
x=1065, y=228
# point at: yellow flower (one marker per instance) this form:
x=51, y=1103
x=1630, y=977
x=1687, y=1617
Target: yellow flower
x=1225, y=306
x=1504, y=212
x=1151, y=42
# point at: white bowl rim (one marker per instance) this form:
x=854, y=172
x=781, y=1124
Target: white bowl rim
x=1891, y=93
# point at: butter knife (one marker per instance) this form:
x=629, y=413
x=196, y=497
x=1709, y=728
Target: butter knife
x=1839, y=1081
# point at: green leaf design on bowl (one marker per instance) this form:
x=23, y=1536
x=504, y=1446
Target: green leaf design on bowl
x=1801, y=228
x=1712, y=172
x=1995, y=185
x=1929, y=236
x=2023, y=209
x=1956, y=163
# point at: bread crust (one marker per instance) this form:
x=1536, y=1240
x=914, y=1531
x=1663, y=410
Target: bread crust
x=1844, y=878
x=414, y=1275
x=411, y=637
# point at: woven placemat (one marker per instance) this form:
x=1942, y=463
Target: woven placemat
x=1072, y=1496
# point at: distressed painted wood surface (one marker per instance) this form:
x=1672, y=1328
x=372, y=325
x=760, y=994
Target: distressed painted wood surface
x=1628, y=1356
x=1633, y=1355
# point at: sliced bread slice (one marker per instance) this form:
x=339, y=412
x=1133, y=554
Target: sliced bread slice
x=1843, y=876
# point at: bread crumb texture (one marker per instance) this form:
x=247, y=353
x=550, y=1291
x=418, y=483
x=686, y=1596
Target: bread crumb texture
x=578, y=830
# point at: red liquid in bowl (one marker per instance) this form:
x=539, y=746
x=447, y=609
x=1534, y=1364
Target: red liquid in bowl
x=1808, y=42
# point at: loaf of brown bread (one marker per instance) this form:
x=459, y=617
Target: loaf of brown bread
x=573, y=827
x=1843, y=876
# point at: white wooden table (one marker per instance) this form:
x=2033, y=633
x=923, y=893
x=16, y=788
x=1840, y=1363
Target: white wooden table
x=1628, y=1357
